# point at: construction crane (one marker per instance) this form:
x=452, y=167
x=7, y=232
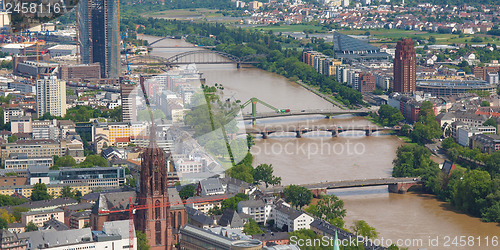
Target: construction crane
x=126, y=56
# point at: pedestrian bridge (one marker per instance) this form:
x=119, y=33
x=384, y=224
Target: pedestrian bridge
x=395, y=184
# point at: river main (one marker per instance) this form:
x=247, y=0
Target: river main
x=318, y=157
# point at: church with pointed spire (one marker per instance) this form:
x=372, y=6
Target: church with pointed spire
x=159, y=221
x=160, y=213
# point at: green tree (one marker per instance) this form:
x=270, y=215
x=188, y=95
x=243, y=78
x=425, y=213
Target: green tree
x=307, y=235
x=362, y=228
x=142, y=241
x=427, y=128
x=297, y=195
x=470, y=193
x=331, y=208
x=413, y=160
x=39, y=192
x=131, y=182
x=6, y=200
x=187, y=191
x=264, y=173
x=74, y=194
x=232, y=203
x=64, y=161
x=16, y=211
x=3, y=224
x=242, y=172
x=490, y=122
x=252, y=228
x=389, y=116
x=30, y=227
x=12, y=139
x=92, y=161
x=485, y=104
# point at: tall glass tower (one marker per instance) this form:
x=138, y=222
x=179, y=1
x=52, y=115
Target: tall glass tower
x=99, y=35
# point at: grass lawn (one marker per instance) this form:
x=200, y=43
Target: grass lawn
x=184, y=13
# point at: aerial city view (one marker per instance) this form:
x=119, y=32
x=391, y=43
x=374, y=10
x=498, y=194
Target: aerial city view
x=246, y=125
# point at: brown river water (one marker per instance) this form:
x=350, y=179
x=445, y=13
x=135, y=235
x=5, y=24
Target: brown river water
x=413, y=220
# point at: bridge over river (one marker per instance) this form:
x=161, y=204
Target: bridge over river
x=395, y=184
x=334, y=130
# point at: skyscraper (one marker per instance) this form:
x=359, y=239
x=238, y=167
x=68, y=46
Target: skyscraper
x=128, y=94
x=50, y=96
x=99, y=35
x=405, y=67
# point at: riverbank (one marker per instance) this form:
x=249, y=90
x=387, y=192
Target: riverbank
x=320, y=157
x=318, y=93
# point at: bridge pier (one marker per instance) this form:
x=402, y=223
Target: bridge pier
x=264, y=135
x=335, y=133
x=298, y=134
x=368, y=132
x=400, y=188
x=317, y=193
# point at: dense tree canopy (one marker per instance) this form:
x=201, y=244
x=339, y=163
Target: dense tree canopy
x=40, y=192
x=297, y=195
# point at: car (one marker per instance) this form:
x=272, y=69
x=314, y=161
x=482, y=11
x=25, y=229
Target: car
x=303, y=110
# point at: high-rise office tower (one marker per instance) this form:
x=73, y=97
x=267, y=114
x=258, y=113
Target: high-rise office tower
x=129, y=93
x=405, y=67
x=99, y=35
x=50, y=96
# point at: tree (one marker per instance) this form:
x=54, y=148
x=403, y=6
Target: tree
x=331, y=208
x=413, y=160
x=250, y=140
x=490, y=122
x=131, y=182
x=252, y=228
x=64, y=161
x=66, y=192
x=7, y=216
x=427, y=128
x=3, y=224
x=16, y=212
x=142, y=241
x=30, y=227
x=39, y=192
x=232, y=203
x=389, y=116
x=470, y=193
x=12, y=139
x=298, y=196
x=187, y=191
x=432, y=40
x=6, y=200
x=74, y=194
x=264, y=173
x=307, y=235
x=362, y=228
x=485, y=104
x=92, y=161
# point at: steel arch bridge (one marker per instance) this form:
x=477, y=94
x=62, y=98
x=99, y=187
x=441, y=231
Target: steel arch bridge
x=199, y=57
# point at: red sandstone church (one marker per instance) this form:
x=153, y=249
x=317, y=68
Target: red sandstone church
x=160, y=212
